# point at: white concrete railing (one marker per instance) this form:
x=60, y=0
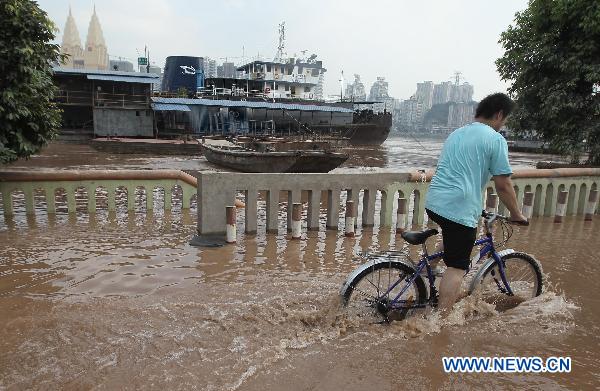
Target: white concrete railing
x=44, y=186
x=218, y=190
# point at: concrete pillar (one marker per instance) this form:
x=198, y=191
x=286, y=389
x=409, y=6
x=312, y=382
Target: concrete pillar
x=50, y=200
x=491, y=203
x=110, y=198
x=314, y=209
x=214, y=195
x=230, y=224
x=590, y=207
x=168, y=196
x=350, y=219
x=419, y=206
x=131, y=198
x=70, y=199
x=561, y=206
x=333, y=208
x=387, y=207
x=7, y=203
x=272, y=210
x=368, y=212
x=250, y=211
x=293, y=197
x=352, y=195
x=296, y=220
x=91, y=201
x=149, y=198
x=402, y=215
x=527, y=209
x=29, y=204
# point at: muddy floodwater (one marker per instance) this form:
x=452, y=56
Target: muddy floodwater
x=122, y=301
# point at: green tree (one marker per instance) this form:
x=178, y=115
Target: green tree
x=552, y=60
x=28, y=117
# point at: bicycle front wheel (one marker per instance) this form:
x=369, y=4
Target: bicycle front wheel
x=372, y=294
x=523, y=275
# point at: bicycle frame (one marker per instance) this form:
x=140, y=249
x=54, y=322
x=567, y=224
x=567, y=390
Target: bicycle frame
x=487, y=244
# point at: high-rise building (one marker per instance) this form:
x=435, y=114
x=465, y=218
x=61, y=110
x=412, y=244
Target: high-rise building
x=157, y=85
x=227, y=70
x=95, y=53
x=442, y=93
x=356, y=91
x=379, y=93
x=210, y=67
x=462, y=93
x=425, y=94
x=410, y=113
x=460, y=114
x=319, y=86
x=120, y=65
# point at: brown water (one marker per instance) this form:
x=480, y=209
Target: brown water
x=397, y=153
x=120, y=300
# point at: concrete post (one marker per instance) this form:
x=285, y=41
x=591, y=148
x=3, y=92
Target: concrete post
x=368, y=212
x=29, y=201
x=293, y=197
x=350, y=219
x=590, y=207
x=561, y=206
x=296, y=220
x=272, y=210
x=250, y=211
x=528, y=204
x=314, y=209
x=230, y=227
x=491, y=204
x=401, y=215
x=333, y=208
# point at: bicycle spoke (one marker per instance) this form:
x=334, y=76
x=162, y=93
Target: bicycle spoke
x=373, y=293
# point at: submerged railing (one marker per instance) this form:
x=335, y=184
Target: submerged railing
x=374, y=196
x=328, y=192
x=77, y=184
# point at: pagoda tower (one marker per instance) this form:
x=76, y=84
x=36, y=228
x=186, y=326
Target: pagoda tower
x=71, y=44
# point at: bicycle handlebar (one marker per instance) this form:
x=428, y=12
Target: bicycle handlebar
x=490, y=217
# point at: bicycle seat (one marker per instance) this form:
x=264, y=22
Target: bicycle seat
x=418, y=237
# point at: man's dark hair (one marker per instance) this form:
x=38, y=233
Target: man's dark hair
x=492, y=104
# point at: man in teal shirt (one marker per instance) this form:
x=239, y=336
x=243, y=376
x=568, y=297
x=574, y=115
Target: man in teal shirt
x=470, y=157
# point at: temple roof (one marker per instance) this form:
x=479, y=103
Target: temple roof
x=94, y=35
x=71, y=34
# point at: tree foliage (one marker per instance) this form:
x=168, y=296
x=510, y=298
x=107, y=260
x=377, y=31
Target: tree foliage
x=552, y=59
x=28, y=117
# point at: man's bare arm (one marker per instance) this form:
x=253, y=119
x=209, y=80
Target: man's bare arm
x=506, y=192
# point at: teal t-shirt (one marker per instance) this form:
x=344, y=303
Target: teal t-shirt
x=470, y=156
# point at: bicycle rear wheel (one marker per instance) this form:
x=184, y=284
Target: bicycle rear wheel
x=370, y=291
x=523, y=274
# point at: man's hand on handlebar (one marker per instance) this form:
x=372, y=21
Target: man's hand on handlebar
x=519, y=219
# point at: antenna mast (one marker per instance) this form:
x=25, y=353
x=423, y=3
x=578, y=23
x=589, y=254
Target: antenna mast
x=457, y=75
x=281, y=47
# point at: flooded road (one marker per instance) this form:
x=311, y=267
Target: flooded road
x=121, y=301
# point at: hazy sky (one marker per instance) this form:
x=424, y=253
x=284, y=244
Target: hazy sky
x=404, y=41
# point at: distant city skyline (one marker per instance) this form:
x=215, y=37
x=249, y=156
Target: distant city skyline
x=404, y=42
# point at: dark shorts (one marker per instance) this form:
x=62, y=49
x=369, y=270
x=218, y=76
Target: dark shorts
x=458, y=241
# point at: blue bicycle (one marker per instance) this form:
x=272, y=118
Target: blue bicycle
x=390, y=286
